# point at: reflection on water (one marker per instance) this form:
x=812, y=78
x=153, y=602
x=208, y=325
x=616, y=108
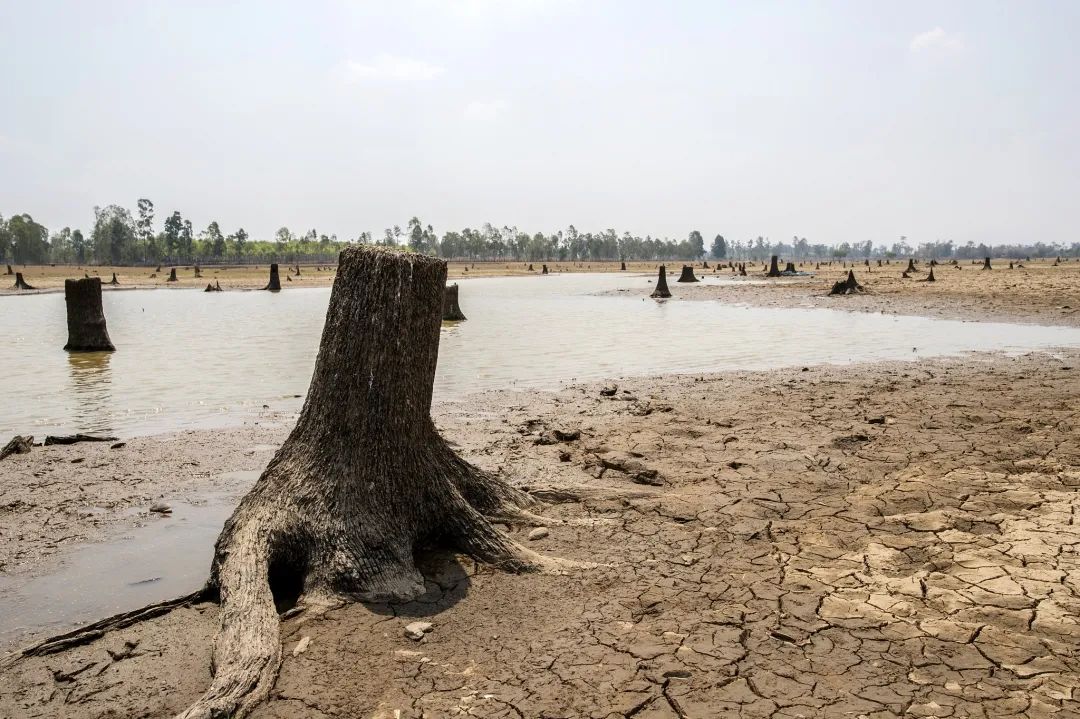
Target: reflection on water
x=90, y=391
x=186, y=358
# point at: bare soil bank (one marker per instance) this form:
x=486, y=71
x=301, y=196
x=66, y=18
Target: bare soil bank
x=878, y=540
x=1036, y=293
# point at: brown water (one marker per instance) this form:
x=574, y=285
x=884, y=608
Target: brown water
x=187, y=358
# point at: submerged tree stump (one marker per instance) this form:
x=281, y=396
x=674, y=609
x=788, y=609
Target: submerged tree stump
x=275, y=282
x=451, y=310
x=20, y=283
x=85, y=317
x=774, y=269
x=362, y=486
x=114, y=281
x=172, y=275
x=986, y=264
x=687, y=275
x=846, y=287
x=661, y=290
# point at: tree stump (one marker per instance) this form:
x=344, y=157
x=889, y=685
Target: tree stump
x=451, y=310
x=275, y=282
x=85, y=317
x=1010, y=265
x=929, y=277
x=20, y=283
x=198, y=272
x=9, y=270
x=114, y=281
x=544, y=270
x=789, y=269
x=622, y=267
x=986, y=264
x=687, y=275
x=17, y=445
x=911, y=265
x=846, y=287
x=158, y=269
x=705, y=265
x=172, y=275
x=774, y=270
x=363, y=484
x=742, y=269
x=661, y=290
x=530, y=268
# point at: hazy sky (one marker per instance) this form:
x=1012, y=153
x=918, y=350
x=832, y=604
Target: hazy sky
x=835, y=121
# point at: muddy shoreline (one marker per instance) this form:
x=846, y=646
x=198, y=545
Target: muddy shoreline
x=881, y=539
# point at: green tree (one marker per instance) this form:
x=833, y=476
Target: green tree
x=113, y=235
x=213, y=240
x=696, y=244
x=28, y=240
x=719, y=247
x=144, y=229
x=240, y=240
x=78, y=246
x=187, y=239
x=174, y=227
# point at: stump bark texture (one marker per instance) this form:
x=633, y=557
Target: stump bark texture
x=986, y=264
x=774, y=270
x=661, y=289
x=274, y=285
x=687, y=275
x=363, y=483
x=451, y=310
x=85, y=317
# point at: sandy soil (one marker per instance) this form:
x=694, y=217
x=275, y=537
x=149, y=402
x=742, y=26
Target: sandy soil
x=866, y=541
x=1036, y=293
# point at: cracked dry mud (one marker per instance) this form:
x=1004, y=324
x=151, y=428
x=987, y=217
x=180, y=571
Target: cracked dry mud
x=869, y=541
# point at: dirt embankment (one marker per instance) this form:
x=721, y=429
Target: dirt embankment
x=878, y=541
x=1036, y=293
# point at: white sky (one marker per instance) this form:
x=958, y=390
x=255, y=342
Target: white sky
x=834, y=121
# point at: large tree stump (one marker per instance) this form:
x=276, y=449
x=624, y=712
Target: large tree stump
x=275, y=281
x=774, y=270
x=687, y=275
x=85, y=317
x=363, y=484
x=789, y=269
x=846, y=287
x=986, y=264
x=20, y=283
x=451, y=311
x=661, y=289
x=172, y=275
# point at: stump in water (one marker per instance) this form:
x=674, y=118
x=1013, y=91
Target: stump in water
x=986, y=264
x=774, y=271
x=275, y=282
x=911, y=265
x=687, y=275
x=544, y=270
x=363, y=485
x=114, y=281
x=661, y=284
x=214, y=286
x=172, y=275
x=622, y=267
x=929, y=277
x=20, y=283
x=846, y=287
x=451, y=311
x=85, y=317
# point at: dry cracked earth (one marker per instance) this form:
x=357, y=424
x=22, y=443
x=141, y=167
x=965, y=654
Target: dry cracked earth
x=879, y=541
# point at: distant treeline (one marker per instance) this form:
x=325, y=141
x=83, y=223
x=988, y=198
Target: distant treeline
x=120, y=238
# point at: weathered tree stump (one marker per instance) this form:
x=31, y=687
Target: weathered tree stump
x=986, y=264
x=85, y=317
x=661, y=290
x=530, y=268
x=742, y=269
x=214, y=286
x=774, y=269
x=705, y=265
x=9, y=270
x=172, y=275
x=363, y=485
x=929, y=277
x=687, y=275
x=17, y=445
x=622, y=267
x=911, y=265
x=114, y=281
x=20, y=283
x=1010, y=265
x=275, y=282
x=158, y=269
x=846, y=287
x=790, y=269
x=544, y=270
x=198, y=272
x=451, y=310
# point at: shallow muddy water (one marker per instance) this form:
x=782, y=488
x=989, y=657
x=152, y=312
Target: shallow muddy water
x=191, y=359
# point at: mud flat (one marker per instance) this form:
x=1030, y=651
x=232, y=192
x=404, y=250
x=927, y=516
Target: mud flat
x=1038, y=292
x=872, y=540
